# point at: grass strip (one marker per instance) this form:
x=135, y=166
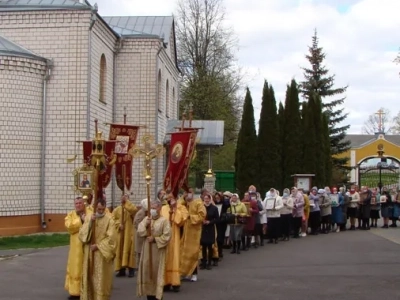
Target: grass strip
x=34, y=241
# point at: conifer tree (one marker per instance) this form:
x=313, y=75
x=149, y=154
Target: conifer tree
x=268, y=143
x=317, y=80
x=320, y=170
x=310, y=141
x=246, y=149
x=281, y=125
x=292, y=149
x=327, y=149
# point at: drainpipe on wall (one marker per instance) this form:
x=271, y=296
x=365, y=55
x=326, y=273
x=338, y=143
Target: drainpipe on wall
x=156, y=133
x=89, y=73
x=114, y=115
x=49, y=67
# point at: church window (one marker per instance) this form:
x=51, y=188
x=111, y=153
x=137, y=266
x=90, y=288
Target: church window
x=173, y=98
x=167, y=99
x=103, y=79
x=159, y=92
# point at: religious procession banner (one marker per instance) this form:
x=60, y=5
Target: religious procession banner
x=125, y=139
x=105, y=169
x=183, y=181
x=180, y=149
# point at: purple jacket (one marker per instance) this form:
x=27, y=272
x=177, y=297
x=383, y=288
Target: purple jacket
x=298, y=203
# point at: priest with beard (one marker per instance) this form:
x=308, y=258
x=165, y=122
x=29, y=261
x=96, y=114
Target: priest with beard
x=157, y=231
x=98, y=254
x=177, y=215
x=190, y=243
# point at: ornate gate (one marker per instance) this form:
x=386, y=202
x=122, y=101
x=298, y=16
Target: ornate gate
x=375, y=171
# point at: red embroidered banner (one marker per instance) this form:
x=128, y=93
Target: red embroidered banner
x=125, y=137
x=105, y=169
x=180, y=142
x=183, y=180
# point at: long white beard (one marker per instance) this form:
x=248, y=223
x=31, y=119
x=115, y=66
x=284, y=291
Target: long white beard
x=272, y=195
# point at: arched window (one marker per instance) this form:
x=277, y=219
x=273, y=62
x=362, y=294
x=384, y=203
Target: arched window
x=159, y=92
x=103, y=79
x=173, y=98
x=167, y=99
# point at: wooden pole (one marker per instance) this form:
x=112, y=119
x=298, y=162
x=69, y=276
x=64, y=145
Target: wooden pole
x=148, y=179
x=122, y=239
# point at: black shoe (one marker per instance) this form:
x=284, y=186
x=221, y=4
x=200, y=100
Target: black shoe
x=167, y=288
x=121, y=273
x=215, y=263
x=73, y=297
x=238, y=251
x=131, y=272
x=270, y=242
x=233, y=251
x=208, y=267
x=202, y=266
x=176, y=288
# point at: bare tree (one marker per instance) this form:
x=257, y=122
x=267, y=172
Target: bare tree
x=212, y=79
x=206, y=50
x=380, y=121
x=396, y=124
x=205, y=45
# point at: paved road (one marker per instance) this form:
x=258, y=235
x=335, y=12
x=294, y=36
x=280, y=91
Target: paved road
x=348, y=265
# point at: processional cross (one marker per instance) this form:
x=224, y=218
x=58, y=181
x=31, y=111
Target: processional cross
x=149, y=154
x=380, y=114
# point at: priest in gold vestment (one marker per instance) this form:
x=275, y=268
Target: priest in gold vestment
x=73, y=222
x=177, y=214
x=98, y=254
x=157, y=231
x=190, y=243
x=125, y=258
x=138, y=240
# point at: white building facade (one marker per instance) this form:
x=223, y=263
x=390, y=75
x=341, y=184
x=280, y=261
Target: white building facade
x=61, y=67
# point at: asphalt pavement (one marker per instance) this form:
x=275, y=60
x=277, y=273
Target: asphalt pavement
x=348, y=265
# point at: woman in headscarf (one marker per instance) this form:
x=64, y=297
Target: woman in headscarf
x=298, y=211
x=336, y=217
x=326, y=210
x=315, y=213
x=286, y=214
x=236, y=215
x=273, y=205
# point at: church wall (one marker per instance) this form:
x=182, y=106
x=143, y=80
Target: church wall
x=136, y=79
x=63, y=37
x=21, y=82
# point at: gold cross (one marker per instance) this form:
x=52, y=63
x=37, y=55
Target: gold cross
x=380, y=113
x=148, y=152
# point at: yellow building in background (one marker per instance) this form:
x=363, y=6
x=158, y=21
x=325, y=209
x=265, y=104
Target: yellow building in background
x=374, y=159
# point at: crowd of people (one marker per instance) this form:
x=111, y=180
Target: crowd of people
x=168, y=242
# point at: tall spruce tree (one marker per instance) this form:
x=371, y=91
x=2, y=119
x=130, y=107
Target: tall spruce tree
x=327, y=149
x=269, y=173
x=281, y=125
x=310, y=139
x=317, y=116
x=292, y=150
x=317, y=80
x=246, y=148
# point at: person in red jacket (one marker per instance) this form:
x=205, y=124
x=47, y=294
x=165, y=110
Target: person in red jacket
x=250, y=200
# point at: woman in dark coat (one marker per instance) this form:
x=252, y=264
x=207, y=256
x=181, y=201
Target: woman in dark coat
x=208, y=233
x=222, y=206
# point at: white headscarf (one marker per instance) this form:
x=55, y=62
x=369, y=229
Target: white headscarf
x=143, y=203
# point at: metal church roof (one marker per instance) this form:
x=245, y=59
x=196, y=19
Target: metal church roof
x=211, y=134
x=359, y=140
x=21, y=5
x=11, y=49
x=160, y=26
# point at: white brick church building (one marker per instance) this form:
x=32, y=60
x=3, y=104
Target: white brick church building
x=62, y=65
